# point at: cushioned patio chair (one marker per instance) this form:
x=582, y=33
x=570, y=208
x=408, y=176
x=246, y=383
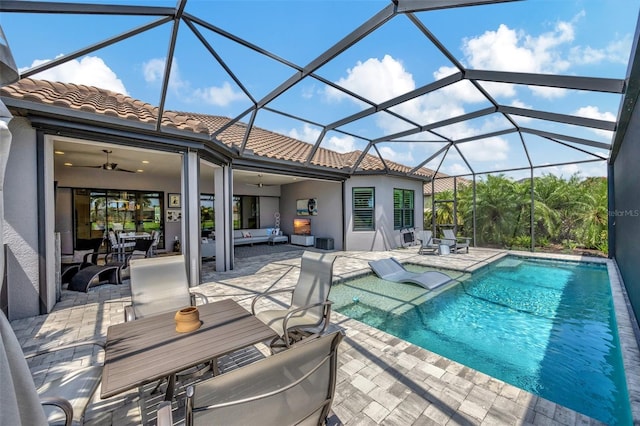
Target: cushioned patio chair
x=392, y=270
x=62, y=399
x=459, y=243
x=309, y=310
x=292, y=387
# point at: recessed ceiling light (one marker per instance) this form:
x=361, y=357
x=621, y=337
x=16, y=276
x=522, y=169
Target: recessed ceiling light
x=139, y=170
x=145, y=161
x=58, y=152
x=68, y=164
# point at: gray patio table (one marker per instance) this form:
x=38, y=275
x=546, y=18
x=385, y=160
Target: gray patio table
x=149, y=349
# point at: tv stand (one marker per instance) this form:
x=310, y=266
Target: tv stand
x=302, y=240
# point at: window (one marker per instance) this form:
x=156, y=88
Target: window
x=246, y=212
x=363, y=209
x=98, y=210
x=403, y=208
x=207, y=214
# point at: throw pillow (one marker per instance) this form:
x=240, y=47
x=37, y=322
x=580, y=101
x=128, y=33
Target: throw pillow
x=246, y=234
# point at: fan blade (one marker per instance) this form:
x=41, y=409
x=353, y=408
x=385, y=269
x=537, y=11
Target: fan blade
x=117, y=169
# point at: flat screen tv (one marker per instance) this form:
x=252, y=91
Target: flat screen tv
x=302, y=226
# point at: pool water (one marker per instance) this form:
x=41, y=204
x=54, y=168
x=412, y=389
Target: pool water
x=547, y=327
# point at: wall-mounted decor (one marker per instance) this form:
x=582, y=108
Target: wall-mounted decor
x=175, y=201
x=307, y=207
x=174, y=215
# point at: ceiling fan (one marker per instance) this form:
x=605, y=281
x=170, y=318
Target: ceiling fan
x=110, y=166
x=259, y=184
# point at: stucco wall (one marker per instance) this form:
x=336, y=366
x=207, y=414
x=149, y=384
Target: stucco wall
x=384, y=237
x=328, y=222
x=21, y=221
x=627, y=210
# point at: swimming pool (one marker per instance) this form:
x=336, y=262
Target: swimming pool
x=544, y=326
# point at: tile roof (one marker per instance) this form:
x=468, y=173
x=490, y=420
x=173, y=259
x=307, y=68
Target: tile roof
x=261, y=142
x=98, y=101
x=443, y=183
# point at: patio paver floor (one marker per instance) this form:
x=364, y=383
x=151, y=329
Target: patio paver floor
x=382, y=379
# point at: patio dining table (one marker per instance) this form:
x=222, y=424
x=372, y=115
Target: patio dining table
x=149, y=349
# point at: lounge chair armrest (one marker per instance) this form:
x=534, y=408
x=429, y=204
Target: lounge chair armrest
x=196, y=295
x=444, y=241
x=465, y=239
x=267, y=293
x=129, y=313
x=51, y=349
x=164, y=415
x=62, y=404
x=108, y=257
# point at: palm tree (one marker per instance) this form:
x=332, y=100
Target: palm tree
x=497, y=205
x=593, y=214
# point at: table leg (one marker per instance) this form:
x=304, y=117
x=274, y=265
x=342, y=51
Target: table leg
x=168, y=396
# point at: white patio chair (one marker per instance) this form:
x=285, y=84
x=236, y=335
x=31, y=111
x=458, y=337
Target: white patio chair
x=62, y=398
x=292, y=387
x=309, y=310
x=459, y=243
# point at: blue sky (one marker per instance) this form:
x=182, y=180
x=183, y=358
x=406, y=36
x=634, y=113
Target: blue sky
x=571, y=37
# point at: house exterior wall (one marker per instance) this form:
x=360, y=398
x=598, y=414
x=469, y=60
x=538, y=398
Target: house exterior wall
x=627, y=210
x=328, y=222
x=21, y=221
x=383, y=237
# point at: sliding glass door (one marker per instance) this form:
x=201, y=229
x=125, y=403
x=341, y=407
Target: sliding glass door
x=98, y=210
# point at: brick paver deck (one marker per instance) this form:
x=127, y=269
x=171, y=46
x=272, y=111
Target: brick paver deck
x=382, y=379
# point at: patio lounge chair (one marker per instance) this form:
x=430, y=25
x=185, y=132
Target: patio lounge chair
x=63, y=398
x=458, y=243
x=392, y=270
x=292, y=387
x=85, y=254
x=309, y=307
x=427, y=243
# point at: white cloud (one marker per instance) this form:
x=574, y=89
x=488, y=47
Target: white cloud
x=90, y=70
x=594, y=112
x=219, y=96
x=223, y=95
x=153, y=70
x=310, y=134
x=403, y=157
x=509, y=50
x=456, y=169
x=490, y=149
x=341, y=144
x=365, y=78
x=307, y=134
x=616, y=51
x=597, y=169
